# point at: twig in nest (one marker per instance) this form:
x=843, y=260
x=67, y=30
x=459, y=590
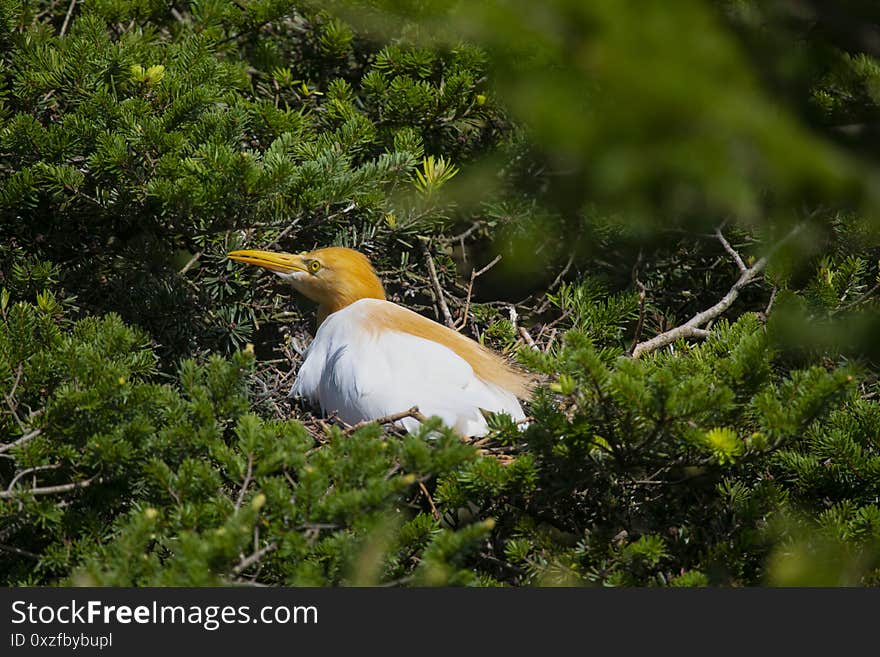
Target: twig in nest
x=528, y=338
x=388, y=419
x=470, y=288
x=550, y=340
x=438, y=290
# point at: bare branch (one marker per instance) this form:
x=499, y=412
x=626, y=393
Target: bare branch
x=551, y=337
x=467, y=306
x=733, y=254
x=855, y=303
x=15, y=550
x=482, y=271
x=770, y=302
x=463, y=236
x=388, y=419
x=556, y=282
x=21, y=441
x=18, y=372
x=51, y=490
x=24, y=473
x=641, y=323
x=191, y=262
x=10, y=397
x=438, y=290
x=528, y=338
x=691, y=328
x=249, y=561
x=462, y=322
x=246, y=482
x=686, y=330
x=67, y=18
x=434, y=511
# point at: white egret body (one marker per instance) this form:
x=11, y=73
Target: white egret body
x=371, y=358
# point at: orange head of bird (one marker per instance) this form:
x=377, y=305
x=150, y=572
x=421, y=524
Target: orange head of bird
x=333, y=277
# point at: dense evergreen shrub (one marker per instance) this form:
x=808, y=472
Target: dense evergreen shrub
x=633, y=167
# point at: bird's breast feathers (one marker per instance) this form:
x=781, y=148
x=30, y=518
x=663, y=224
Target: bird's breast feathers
x=374, y=358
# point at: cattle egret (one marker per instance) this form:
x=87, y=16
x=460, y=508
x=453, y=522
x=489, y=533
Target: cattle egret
x=372, y=358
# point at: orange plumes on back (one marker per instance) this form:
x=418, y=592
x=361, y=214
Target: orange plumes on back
x=347, y=276
x=371, y=356
x=336, y=277
x=487, y=365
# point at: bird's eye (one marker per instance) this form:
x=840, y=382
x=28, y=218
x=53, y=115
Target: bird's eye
x=314, y=266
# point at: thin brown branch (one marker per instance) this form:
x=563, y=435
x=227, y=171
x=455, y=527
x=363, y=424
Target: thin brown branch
x=640, y=325
x=434, y=511
x=438, y=289
x=858, y=301
x=551, y=337
x=250, y=560
x=19, y=551
x=296, y=224
x=770, y=302
x=191, y=262
x=556, y=282
x=238, y=35
x=18, y=373
x=467, y=233
x=10, y=398
x=733, y=253
x=21, y=441
x=388, y=419
x=692, y=328
x=67, y=18
x=283, y=234
x=51, y=490
x=246, y=482
x=482, y=271
x=462, y=322
x=24, y=473
x=528, y=338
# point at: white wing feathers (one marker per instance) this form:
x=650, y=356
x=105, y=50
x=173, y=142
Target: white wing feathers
x=362, y=374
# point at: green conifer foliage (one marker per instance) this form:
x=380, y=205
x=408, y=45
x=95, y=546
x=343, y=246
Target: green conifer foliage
x=631, y=167
x=137, y=152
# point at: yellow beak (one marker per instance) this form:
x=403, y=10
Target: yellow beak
x=279, y=262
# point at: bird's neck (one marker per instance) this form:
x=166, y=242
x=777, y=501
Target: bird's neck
x=363, y=288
